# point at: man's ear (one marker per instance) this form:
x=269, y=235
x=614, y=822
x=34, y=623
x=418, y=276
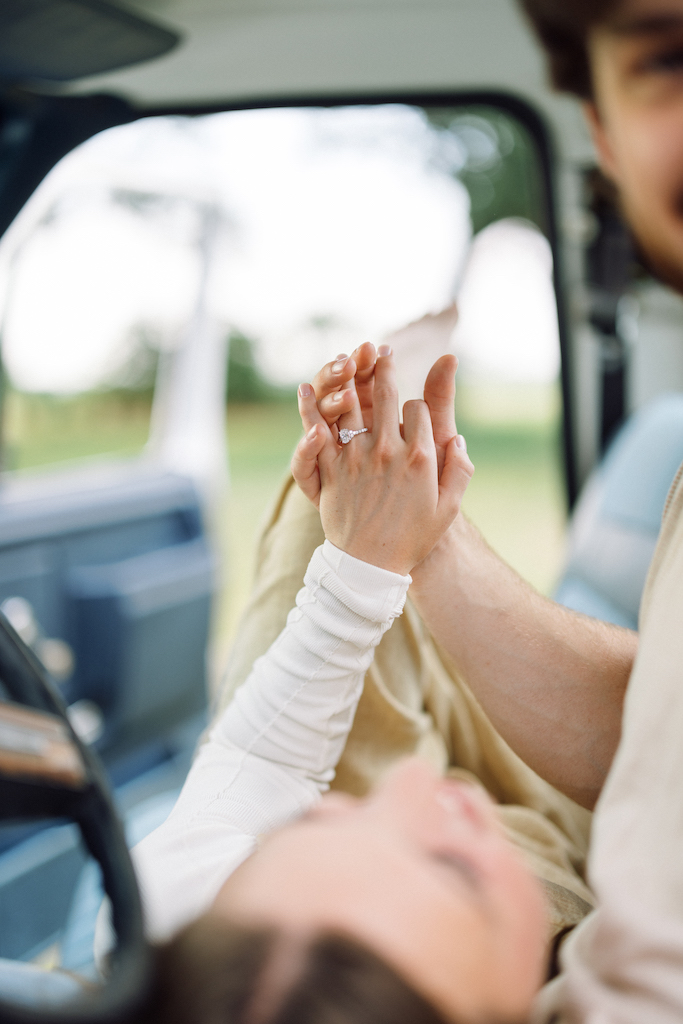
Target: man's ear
x=600, y=140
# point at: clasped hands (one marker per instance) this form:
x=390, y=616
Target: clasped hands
x=389, y=495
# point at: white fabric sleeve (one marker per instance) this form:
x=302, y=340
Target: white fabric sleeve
x=275, y=748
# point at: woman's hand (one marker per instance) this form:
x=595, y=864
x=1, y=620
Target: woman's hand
x=431, y=333
x=334, y=391
x=382, y=497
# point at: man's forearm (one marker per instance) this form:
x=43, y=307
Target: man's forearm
x=551, y=681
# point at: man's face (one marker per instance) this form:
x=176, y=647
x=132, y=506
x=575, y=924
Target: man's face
x=637, y=122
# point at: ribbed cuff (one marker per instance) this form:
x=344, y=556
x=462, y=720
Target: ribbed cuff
x=387, y=590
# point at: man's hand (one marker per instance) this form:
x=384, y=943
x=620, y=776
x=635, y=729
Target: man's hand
x=382, y=497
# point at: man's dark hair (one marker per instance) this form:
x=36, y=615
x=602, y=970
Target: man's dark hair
x=563, y=26
x=219, y=972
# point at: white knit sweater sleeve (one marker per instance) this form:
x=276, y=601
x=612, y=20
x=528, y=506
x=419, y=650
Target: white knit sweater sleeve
x=275, y=748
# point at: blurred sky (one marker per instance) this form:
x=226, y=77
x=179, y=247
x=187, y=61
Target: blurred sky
x=336, y=227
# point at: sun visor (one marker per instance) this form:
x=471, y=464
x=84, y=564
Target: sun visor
x=61, y=40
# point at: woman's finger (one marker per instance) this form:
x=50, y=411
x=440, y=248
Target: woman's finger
x=311, y=417
x=308, y=407
x=334, y=398
x=316, y=444
x=338, y=403
x=333, y=376
x=335, y=405
x=353, y=418
x=304, y=464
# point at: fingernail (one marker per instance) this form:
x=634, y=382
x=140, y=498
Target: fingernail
x=340, y=364
x=338, y=397
x=311, y=433
x=384, y=350
x=461, y=442
x=305, y=390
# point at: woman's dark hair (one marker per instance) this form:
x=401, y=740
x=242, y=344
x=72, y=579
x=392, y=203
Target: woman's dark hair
x=217, y=972
x=563, y=26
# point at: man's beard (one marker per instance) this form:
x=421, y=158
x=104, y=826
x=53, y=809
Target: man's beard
x=653, y=258
x=661, y=266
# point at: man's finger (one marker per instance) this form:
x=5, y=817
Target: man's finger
x=417, y=426
x=456, y=474
x=385, y=397
x=364, y=357
x=439, y=395
x=304, y=463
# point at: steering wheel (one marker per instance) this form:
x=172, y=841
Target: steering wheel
x=72, y=785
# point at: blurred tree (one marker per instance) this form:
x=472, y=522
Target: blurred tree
x=136, y=374
x=498, y=164
x=246, y=382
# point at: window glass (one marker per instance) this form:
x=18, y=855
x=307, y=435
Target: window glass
x=300, y=233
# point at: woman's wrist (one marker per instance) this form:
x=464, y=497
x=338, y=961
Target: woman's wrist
x=376, y=555
x=351, y=567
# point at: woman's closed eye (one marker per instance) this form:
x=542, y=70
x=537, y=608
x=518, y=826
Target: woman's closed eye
x=460, y=867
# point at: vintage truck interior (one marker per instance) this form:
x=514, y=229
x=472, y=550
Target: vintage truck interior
x=112, y=565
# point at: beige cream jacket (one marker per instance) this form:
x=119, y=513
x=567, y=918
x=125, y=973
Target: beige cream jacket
x=624, y=963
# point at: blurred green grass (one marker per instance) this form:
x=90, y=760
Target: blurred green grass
x=42, y=430
x=516, y=495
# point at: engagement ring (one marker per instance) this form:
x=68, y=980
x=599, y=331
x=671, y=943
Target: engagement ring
x=346, y=435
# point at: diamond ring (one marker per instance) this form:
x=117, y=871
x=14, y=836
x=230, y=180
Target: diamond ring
x=346, y=435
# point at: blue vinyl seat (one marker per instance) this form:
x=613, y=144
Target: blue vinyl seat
x=31, y=987
x=615, y=526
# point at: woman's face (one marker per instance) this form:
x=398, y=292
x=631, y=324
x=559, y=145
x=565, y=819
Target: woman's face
x=421, y=872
